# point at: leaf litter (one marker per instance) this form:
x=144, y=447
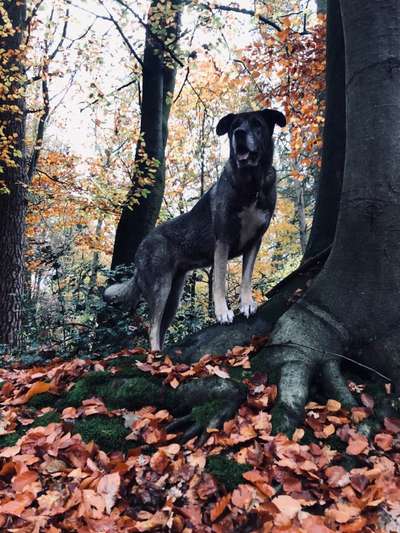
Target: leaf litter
x=53, y=481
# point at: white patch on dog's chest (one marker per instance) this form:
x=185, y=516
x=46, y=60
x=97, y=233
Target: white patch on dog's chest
x=251, y=220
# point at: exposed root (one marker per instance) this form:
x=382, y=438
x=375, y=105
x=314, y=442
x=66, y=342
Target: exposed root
x=299, y=347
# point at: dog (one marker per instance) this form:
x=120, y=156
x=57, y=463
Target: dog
x=228, y=221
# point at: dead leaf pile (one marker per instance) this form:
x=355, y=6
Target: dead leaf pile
x=52, y=481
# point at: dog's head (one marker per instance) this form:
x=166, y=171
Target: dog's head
x=250, y=135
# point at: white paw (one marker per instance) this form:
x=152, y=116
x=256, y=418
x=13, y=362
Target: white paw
x=224, y=316
x=248, y=307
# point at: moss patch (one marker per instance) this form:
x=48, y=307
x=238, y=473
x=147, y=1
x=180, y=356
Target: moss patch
x=227, y=471
x=125, y=362
x=203, y=414
x=46, y=419
x=108, y=433
x=11, y=438
x=129, y=388
x=46, y=399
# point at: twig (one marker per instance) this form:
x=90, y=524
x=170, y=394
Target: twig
x=243, y=11
x=124, y=37
x=327, y=352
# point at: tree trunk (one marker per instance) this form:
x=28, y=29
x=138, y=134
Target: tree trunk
x=334, y=139
x=13, y=175
x=301, y=215
x=350, y=304
x=159, y=71
x=321, y=6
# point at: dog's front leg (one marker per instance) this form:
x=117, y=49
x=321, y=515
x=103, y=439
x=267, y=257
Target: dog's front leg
x=247, y=305
x=223, y=314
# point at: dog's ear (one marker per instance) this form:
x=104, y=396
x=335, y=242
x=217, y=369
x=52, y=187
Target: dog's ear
x=272, y=117
x=224, y=124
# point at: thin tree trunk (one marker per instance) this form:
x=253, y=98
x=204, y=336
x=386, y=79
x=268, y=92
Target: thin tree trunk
x=159, y=71
x=321, y=6
x=13, y=176
x=301, y=215
x=334, y=139
x=95, y=260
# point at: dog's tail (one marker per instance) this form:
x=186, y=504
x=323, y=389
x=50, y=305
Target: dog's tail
x=126, y=293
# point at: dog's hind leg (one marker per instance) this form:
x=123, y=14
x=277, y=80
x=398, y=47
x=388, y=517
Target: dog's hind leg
x=172, y=304
x=157, y=298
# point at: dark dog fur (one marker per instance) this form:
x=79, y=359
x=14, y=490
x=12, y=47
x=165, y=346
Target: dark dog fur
x=228, y=221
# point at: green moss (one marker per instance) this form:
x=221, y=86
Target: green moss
x=238, y=373
x=350, y=461
x=206, y=412
x=227, y=471
x=46, y=399
x=46, y=419
x=129, y=388
x=84, y=388
x=10, y=439
x=108, y=433
x=309, y=436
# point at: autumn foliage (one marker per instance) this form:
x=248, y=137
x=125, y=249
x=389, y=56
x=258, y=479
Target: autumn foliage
x=327, y=477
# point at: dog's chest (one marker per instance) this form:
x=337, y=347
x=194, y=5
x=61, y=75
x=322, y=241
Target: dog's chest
x=252, y=220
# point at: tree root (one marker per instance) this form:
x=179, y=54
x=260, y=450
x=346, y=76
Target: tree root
x=301, y=346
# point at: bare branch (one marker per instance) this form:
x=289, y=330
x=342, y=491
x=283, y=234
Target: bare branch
x=161, y=43
x=63, y=36
x=243, y=11
x=124, y=86
x=125, y=39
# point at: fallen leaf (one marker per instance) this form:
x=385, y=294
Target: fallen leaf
x=108, y=487
x=219, y=507
x=37, y=388
x=384, y=441
x=287, y=505
x=333, y=406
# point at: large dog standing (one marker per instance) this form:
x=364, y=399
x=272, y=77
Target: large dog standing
x=228, y=221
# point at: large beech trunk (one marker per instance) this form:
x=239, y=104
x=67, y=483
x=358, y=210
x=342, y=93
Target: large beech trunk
x=13, y=175
x=351, y=304
x=334, y=139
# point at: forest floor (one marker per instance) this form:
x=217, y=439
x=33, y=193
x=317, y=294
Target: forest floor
x=70, y=462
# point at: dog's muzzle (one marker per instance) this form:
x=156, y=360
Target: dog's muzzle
x=245, y=157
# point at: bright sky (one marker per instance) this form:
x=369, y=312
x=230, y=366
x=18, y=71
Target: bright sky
x=76, y=128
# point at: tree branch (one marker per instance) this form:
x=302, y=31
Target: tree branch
x=166, y=48
x=124, y=37
x=243, y=11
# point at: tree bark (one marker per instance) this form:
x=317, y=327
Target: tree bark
x=158, y=82
x=13, y=175
x=321, y=6
x=350, y=304
x=334, y=139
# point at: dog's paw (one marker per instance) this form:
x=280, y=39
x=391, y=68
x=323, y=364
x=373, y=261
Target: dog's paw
x=248, y=308
x=224, y=316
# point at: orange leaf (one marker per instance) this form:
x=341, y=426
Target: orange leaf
x=219, y=507
x=357, y=444
x=384, y=441
x=287, y=505
x=37, y=388
x=333, y=405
